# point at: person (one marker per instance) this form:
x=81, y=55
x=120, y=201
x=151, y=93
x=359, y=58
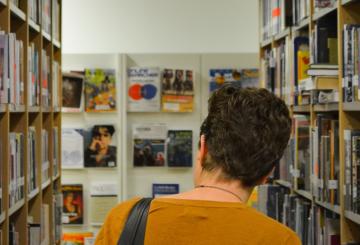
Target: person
x=99, y=152
x=242, y=139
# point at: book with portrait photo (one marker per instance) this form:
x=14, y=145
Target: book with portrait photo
x=100, y=90
x=72, y=91
x=177, y=90
x=73, y=205
x=100, y=146
x=179, y=148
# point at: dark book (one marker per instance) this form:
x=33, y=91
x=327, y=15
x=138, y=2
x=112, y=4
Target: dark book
x=73, y=205
x=149, y=152
x=164, y=189
x=179, y=148
x=72, y=90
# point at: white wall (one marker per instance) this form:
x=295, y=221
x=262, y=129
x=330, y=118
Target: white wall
x=160, y=26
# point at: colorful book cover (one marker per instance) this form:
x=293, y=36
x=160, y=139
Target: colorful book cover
x=143, y=89
x=99, y=146
x=72, y=148
x=179, y=148
x=159, y=190
x=73, y=206
x=241, y=77
x=72, y=91
x=76, y=238
x=100, y=90
x=177, y=90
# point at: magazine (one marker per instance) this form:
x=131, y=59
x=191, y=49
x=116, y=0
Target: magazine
x=72, y=91
x=73, y=206
x=100, y=90
x=179, y=148
x=72, y=148
x=177, y=90
x=143, y=89
x=159, y=190
x=76, y=238
x=149, y=145
x=100, y=146
x=241, y=77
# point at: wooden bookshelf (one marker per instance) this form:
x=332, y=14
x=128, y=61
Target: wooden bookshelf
x=347, y=12
x=18, y=118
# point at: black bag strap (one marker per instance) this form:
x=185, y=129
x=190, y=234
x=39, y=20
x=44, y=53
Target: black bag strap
x=134, y=230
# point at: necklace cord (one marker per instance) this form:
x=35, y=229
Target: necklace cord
x=219, y=188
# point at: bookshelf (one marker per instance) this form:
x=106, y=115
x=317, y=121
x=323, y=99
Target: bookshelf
x=17, y=116
x=347, y=113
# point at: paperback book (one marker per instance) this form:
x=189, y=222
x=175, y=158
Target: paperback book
x=73, y=205
x=179, y=148
x=76, y=238
x=72, y=146
x=177, y=90
x=72, y=92
x=100, y=90
x=99, y=146
x=143, y=89
x=241, y=77
x=103, y=197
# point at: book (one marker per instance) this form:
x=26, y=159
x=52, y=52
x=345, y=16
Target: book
x=100, y=146
x=32, y=166
x=55, y=152
x=76, y=238
x=100, y=90
x=144, y=89
x=33, y=76
x=149, y=145
x=45, y=166
x=241, y=77
x=16, y=168
x=72, y=148
x=45, y=224
x=103, y=197
x=72, y=91
x=179, y=148
x=159, y=190
x=34, y=234
x=177, y=90
x=45, y=76
x=73, y=204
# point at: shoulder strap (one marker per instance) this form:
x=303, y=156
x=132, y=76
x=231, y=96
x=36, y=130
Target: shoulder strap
x=134, y=230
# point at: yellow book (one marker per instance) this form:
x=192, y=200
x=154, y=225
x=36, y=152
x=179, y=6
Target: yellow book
x=303, y=64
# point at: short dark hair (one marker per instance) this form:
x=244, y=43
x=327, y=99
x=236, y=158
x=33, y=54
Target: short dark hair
x=96, y=129
x=246, y=132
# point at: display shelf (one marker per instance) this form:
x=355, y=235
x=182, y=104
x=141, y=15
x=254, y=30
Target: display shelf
x=353, y=106
x=266, y=43
x=15, y=11
x=16, y=108
x=353, y=217
x=33, y=193
x=2, y=217
x=326, y=107
x=46, y=184
x=34, y=26
x=320, y=14
x=301, y=108
x=304, y=194
x=16, y=207
x=46, y=36
x=282, y=35
x=328, y=206
x=283, y=183
x=2, y=108
x=56, y=43
x=303, y=24
x=34, y=108
x=349, y=2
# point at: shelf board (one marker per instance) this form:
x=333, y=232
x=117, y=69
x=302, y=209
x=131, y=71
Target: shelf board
x=34, y=26
x=282, y=34
x=17, y=12
x=347, y=2
x=16, y=108
x=46, y=36
x=45, y=184
x=56, y=43
x=304, y=194
x=3, y=2
x=301, y=108
x=328, y=206
x=2, y=217
x=57, y=109
x=265, y=43
x=323, y=12
x=2, y=108
x=33, y=193
x=16, y=207
x=34, y=108
x=352, y=106
x=56, y=177
x=302, y=24
x=353, y=217
x=46, y=108
x=283, y=183
x=326, y=107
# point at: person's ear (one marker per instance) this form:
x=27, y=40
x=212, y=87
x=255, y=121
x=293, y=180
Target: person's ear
x=203, y=149
x=264, y=180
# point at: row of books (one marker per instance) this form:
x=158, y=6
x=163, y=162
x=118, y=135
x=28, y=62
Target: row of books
x=32, y=165
x=313, y=224
x=46, y=15
x=34, y=10
x=351, y=61
x=33, y=76
x=56, y=19
x=45, y=76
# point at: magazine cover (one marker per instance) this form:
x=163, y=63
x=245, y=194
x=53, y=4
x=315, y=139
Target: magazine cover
x=149, y=145
x=179, y=148
x=100, y=146
x=242, y=77
x=72, y=148
x=72, y=91
x=159, y=190
x=143, y=89
x=100, y=90
x=177, y=90
x=73, y=205
x=76, y=238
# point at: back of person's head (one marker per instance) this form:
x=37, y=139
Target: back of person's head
x=246, y=132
